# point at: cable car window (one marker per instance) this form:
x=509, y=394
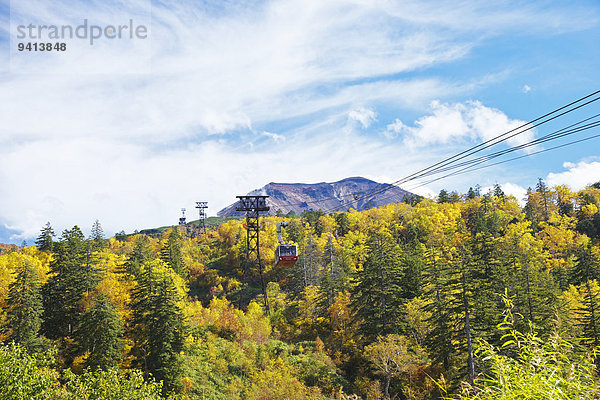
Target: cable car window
x=286, y=251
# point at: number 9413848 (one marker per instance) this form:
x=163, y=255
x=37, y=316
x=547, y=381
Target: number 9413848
x=42, y=46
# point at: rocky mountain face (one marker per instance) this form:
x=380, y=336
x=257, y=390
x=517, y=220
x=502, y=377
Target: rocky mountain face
x=7, y=248
x=356, y=193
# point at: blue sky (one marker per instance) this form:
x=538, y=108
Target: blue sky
x=224, y=97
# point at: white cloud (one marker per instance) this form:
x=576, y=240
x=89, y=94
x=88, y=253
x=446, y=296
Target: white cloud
x=394, y=129
x=274, y=136
x=424, y=191
x=213, y=74
x=451, y=122
x=126, y=187
x=577, y=175
x=363, y=115
x=510, y=189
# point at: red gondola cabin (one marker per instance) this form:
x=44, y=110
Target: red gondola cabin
x=286, y=255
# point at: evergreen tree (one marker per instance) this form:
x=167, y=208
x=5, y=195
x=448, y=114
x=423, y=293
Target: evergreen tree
x=413, y=265
x=564, y=201
x=585, y=270
x=71, y=275
x=451, y=292
x=519, y=276
x=24, y=308
x=343, y=224
x=532, y=287
x=454, y=197
x=121, y=236
x=498, y=192
x=330, y=275
x=314, y=220
x=97, y=237
x=589, y=316
x=158, y=326
x=486, y=275
x=294, y=231
x=471, y=193
x=439, y=292
x=530, y=208
x=542, y=189
x=586, y=266
x=443, y=197
x=171, y=252
x=378, y=295
x=101, y=332
x=45, y=241
x=141, y=254
x=486, y=202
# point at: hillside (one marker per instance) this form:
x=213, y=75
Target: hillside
x=195, y=224
x=7, y=248
x=300, y=197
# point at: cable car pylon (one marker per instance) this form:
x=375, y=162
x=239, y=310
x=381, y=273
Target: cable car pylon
x=253, y=206
x=202, y=206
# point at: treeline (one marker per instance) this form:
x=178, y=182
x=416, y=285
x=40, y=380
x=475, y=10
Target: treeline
x=422, y=301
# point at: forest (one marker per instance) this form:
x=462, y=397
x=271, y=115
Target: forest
x=468, y=296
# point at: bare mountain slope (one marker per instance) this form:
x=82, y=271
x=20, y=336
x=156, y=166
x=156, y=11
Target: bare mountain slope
x=300, y=197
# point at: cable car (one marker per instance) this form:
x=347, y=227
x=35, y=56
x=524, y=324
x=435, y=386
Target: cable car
x=286, y=254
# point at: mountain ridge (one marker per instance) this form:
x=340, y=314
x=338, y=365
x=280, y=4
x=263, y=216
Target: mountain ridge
x=352, y=192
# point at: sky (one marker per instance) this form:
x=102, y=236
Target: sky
x=212, y=99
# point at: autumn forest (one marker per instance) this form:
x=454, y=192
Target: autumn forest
x=468, y=296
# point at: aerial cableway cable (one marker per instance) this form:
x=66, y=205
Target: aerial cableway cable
x=471, y=169
x=569, y=130
x=447, y=164
x=468, y=165
x=482, y=146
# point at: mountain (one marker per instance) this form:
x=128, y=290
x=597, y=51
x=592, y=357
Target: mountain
x=7, y=248
x=347, y=193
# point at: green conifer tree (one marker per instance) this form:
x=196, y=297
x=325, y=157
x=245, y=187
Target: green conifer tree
x=171, y=252
x=158, y=326
x=471, y=193
x=97, y=240
x=101, y=335
x=71, y=275
x=439, y=293
x=586, y=269
x=24, y=308
x=378, y=293
x=343, y=223
x=586, y=266
x=141, y=254
x=443, y=196
x=45, y=241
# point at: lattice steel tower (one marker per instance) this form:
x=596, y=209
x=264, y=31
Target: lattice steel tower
x=253, y=206
x=182, y=219
x=202, y=206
